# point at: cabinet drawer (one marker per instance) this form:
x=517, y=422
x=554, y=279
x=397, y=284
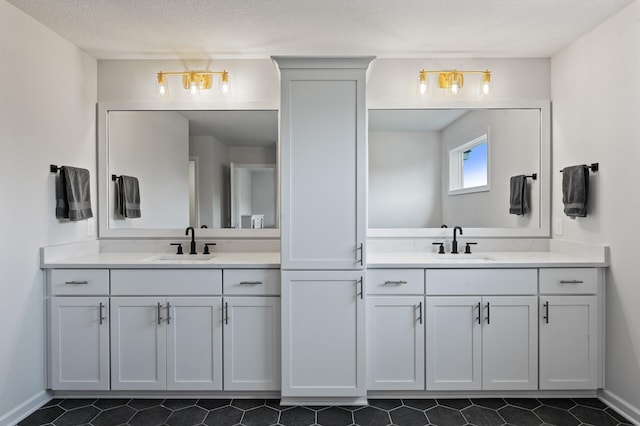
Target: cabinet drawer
x=168, y=282
x=395, y=281
x=251, y=281
x=481, y=281
x=79, y=281
x=569, y=281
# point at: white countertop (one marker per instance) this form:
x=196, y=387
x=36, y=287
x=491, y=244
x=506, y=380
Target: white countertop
x=374, y=260
x=517, y=259
x=88, y=255
x=166, y=260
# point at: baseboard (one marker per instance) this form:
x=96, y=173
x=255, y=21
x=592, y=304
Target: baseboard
x=23, y=410
x=620, y=405
x=322, y=401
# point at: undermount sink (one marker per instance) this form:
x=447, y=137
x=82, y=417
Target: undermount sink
x=462, y=257
x=181, y=258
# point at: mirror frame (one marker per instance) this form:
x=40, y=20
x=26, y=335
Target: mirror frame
x=544, y=174
x=104, y=232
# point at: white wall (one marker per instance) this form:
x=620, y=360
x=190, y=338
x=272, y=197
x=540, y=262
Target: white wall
x=514, y=149
x=404, y=180
x=263, y=194
x=152, y=146
x=596, y=118
x=47, y=116
x=253, y=154
x=394, y=81
x=213, y=180
x=252, y=81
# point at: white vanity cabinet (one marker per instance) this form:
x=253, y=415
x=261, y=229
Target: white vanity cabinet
x=166, y=329
x=569, y=328
x=481, y=329
x=251, y=332
x=395, y=329
x=78, y=333
x=323, y=334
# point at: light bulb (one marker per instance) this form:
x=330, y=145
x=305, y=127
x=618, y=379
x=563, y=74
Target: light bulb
x=224, y=88
x=487, y=84
x=161, y=86
x=423, y=87
x=193, y=88
x=423, y=83
x=455, y=89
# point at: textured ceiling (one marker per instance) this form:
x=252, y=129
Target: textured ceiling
x=171, y=29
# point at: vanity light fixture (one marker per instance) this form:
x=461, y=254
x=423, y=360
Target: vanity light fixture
x=453, y=81
x=194, y=81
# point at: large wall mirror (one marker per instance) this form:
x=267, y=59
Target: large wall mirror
x=214, y=169
x=452, y=165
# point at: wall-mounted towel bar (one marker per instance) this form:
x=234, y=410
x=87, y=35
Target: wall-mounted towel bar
x=533, y=176
x=114, y=177
x=53, y=168
x=593, y=167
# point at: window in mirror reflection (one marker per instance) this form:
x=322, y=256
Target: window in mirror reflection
x=468, y=166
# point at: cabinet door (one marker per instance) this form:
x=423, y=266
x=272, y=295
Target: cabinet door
x=510, y=343
x=323, y=149
x=79, y=343
x=453, y=343
x=138, y=343
x=395, y=343
x=568, y=342
x=323, y=335
x=194, y=343
x=252, y=343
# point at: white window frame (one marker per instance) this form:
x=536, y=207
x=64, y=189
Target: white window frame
x=456, y=166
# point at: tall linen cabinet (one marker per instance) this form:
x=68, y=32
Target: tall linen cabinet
x=323, y=229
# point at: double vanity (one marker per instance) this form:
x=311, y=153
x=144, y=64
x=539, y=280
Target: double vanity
x=494, y=323
x=343, y=294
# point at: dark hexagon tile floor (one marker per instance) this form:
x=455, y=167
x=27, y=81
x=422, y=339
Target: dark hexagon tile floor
x=382, y=412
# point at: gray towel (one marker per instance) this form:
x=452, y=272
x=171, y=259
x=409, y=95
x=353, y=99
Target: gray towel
x=127, y=197
x=575, y=190
x=73, y=196
x=519, y=195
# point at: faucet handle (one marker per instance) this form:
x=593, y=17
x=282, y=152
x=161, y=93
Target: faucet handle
x=179, y=250
x=206, y=247
x=467, y=248
x=441, y=249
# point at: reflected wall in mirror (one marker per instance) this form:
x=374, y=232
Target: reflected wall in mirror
x=411, y=174
x=183, y=160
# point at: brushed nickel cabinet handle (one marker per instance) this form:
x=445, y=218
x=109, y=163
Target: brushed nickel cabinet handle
x=159, y=314
x=102, y=317
x=250, y=282
x=361, y=293
x=420, y=312
x=76, y=282
x=168, y=313
x=571, y=282
x=226, y=313
x=361, y=250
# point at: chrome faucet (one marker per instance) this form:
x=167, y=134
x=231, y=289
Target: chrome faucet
x=454, y=243
x=193, y=239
